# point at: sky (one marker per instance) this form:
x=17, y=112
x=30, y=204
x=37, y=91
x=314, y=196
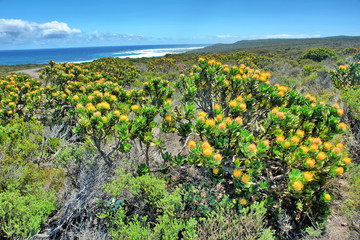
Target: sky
x=26, y=24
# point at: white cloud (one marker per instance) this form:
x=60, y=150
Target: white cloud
x=17, y=32
x=22, y=31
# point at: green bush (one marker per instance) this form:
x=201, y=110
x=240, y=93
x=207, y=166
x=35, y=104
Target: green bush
x=318, y=54
x=23, y=212
x=24, y=202
x=206, y=217
x=25, y=138
x=346, y=77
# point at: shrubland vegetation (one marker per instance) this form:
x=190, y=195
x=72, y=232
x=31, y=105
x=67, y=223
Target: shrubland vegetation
x=239, y=145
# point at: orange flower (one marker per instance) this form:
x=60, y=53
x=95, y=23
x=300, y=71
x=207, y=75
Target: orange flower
x=281, y=115
x=233, y=103
x=222, y=126
x=210, y=122
x=243, y=201
x=124, y=117
x=245, y=178
x=217, y=107
x=347, y=160
x=252, y=147
x=76, y=97
x=266, y=142
x=340, y=170
x=168, y=118
x=228, y=120
x=340, y=111
x=280, y=139
x=298, y=185
x=239, y=98
x=205, y=145
x=215, y=171
x=327, y=145
x=336, y=150
x=308, y=176
x=243, y=106
x=239, y=120
x=275, y=110
x=207, y=151
x=295, y=139
x=317, y=141
x=97, y=114
x=342, y=125
x=219, y=117
x=237, y=173
x=201, y=118
x=135, y=107
x=300, y=133
x=192, y=144
x=339, y=145
x=287, y=144
x=218, y=157
x=327, y=197
x=314, y=147
x=321, y=156
x=117, y=112
x=310, y=162
x=336, y=105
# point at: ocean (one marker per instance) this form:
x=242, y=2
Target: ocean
x=87, y=54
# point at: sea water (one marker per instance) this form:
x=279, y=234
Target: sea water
x=88, y=54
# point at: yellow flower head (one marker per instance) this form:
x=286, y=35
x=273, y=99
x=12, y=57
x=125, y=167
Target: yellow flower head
x=124, y=117
x=218, y=157
x=280, y=139
x=192, y=144
x=340, y=170
x=252, y=147
x=207, y=151
x=342, y=125
x=327, y=145
x=245, y=178
x=217, y=107
x=233, y=103
x=237, y=173
x=243, y=106
x=310, y=162
x=346, y=160
x=327, y=197
x=222, y=126
x=295, y=139
x=298, y=185
x=135, y=107
x=205, y=145
x=308, y=176
x=228, y=120
x=210, y=122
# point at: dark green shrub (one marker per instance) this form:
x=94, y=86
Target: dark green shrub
x=318, y=54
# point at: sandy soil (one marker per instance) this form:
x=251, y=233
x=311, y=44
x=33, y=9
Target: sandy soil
x=32, y=72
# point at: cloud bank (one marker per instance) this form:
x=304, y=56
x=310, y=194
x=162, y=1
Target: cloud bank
x=17, y=32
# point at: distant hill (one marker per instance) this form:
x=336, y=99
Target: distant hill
x=331, y=42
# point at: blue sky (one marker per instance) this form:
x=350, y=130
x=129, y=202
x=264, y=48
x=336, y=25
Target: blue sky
x=65, y=23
